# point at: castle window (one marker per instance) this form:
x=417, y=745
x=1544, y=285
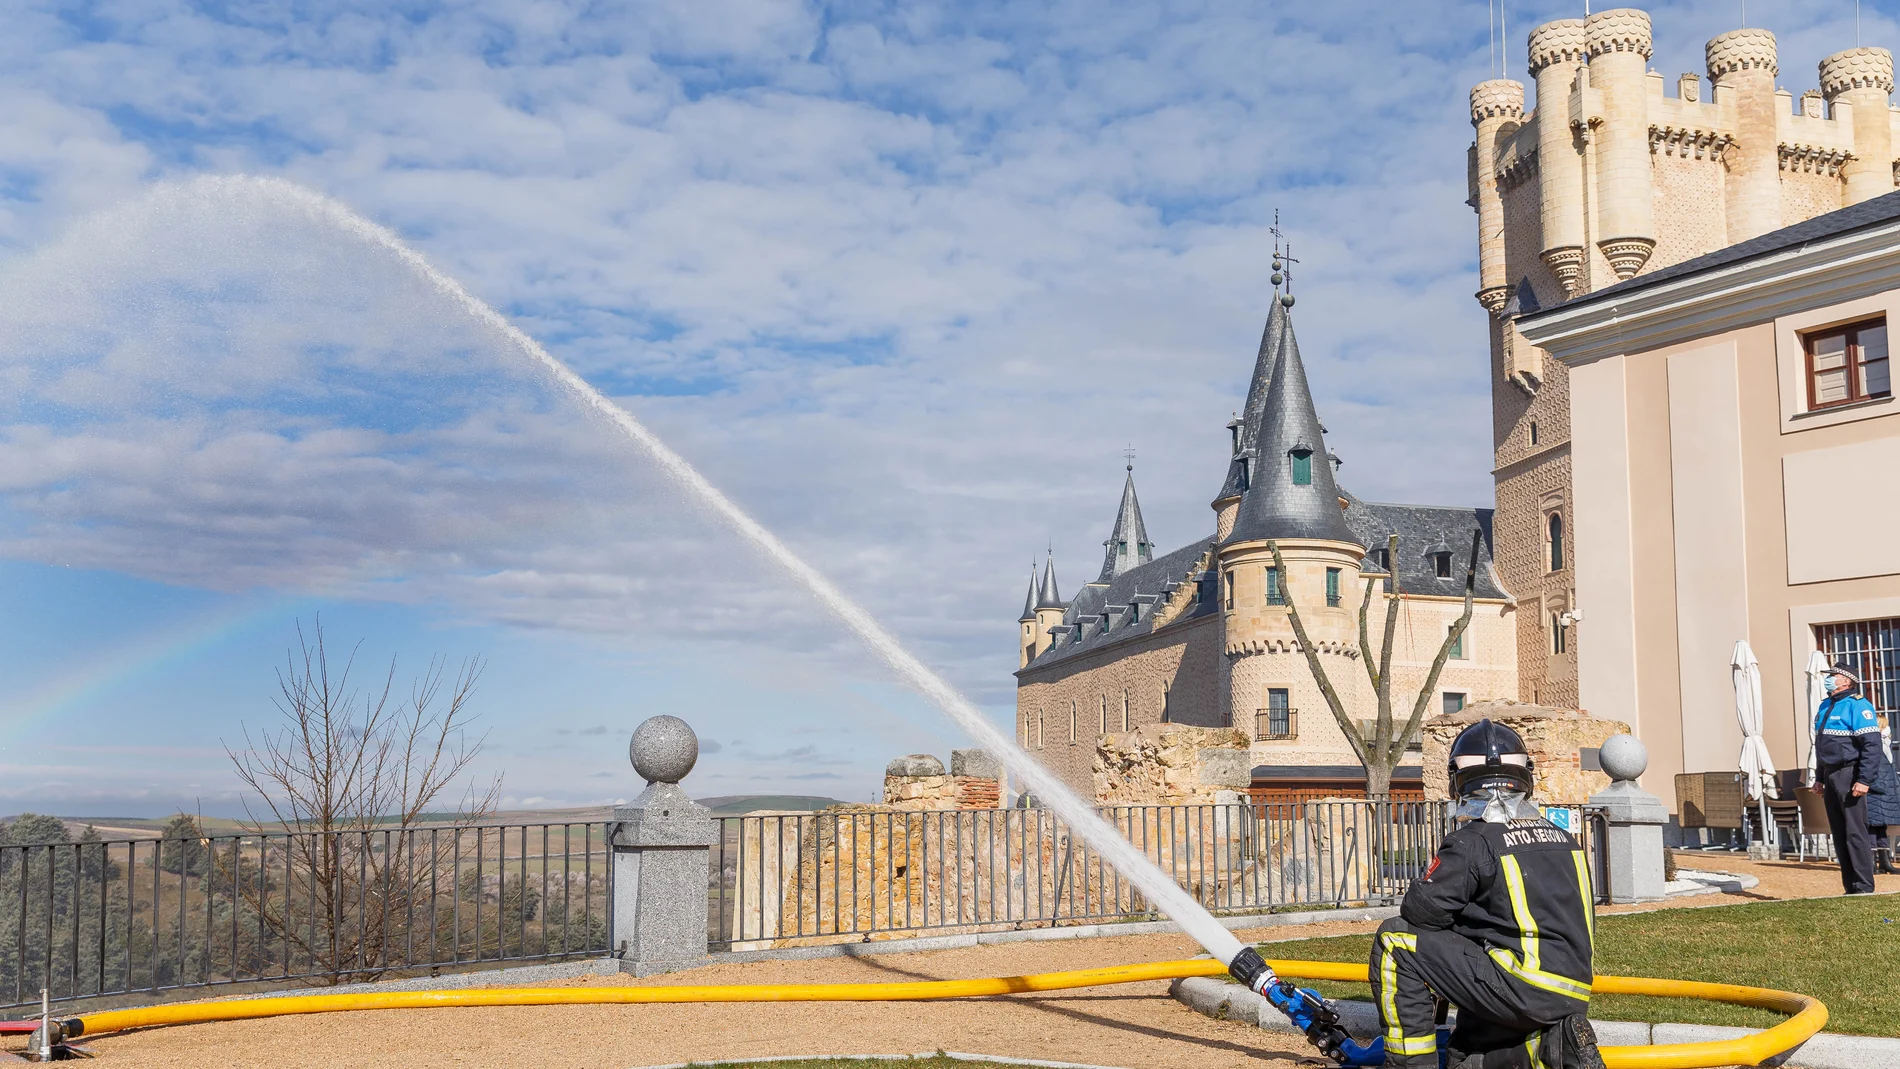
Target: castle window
x=1554, y=529
x=1847, y=364
x=1453, y=702
x=1557, y=642
x=1383, y=559
x=1072, y=724
x=1457, y=644
x=1167, y=708
x=1246, y=473
x=1532, y=433
x=1441, y=565
x=1302, y=468
x=1332, y=586
x=1121, y=549
x=1276, y=720
x=1275, y=596
x=1039, y=719
x=1230, y=590
x=1124, y=708
x=1104, y=714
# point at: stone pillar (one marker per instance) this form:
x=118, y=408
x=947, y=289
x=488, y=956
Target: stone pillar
x=1858, y=81
x=1556, y=52
x=1636, y=817
x=918, y=781
x=1495, y=105
x=661, y=855
x=1742, y=65
x=1619, y=45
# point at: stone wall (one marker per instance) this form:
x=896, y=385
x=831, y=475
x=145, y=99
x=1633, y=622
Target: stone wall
x=918, y=781
x=1170, y=764
x=1553, y=737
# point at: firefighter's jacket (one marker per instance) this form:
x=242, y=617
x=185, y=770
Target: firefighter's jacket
x=1847, y=732
x=1521, y=890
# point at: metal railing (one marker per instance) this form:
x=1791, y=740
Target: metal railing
x=92, y=919
x=1270, y=725
x=782, y=880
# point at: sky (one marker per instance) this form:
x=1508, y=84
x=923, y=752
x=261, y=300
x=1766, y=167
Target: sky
x=904, y=280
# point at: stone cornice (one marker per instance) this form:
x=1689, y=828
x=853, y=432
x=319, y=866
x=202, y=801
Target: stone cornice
x=1826, y=271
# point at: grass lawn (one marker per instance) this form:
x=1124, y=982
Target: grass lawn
x=1843, y=951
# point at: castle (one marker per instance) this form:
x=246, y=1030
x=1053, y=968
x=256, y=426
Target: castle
x=1609, y=177
x=1201, y=635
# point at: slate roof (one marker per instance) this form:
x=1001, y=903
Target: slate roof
x=1247, y=424
x=1029, y=601
x=1127, y=603
x=1274, y=505
x=1049, y=597
x=1422, y=530
x=1129, y=531
x=1868, y=213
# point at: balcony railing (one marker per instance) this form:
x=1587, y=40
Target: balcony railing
x=1271, y=725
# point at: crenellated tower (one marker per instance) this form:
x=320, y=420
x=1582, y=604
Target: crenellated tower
x=1607, y=176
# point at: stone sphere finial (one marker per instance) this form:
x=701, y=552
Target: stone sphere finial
x=1497, y=98
x=1620, y=29
x=1857, y=68
x=1557, y=41
x=664, y=749
x=1624, y=757
x=1742, y=50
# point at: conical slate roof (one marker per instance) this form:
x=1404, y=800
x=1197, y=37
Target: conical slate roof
x=1290, y=492
x=1249, y=420
x=1048, y=597
x=1127, y=546
x=1029, y=602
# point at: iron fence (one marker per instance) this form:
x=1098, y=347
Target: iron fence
x=92, y=919
x=781, y=879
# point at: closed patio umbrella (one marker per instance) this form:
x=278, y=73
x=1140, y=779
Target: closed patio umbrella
x=1758, y=769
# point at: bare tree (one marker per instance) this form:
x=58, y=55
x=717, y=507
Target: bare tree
x=1381, y=753
x=351, y=772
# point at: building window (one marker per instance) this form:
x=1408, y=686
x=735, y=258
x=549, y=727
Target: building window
x=1039, y=719
x=1167, y=704
x=1441, y=565
x=1124, y=709
x=1556, y=633
x=1453, y=702
x=1532, y=432
x=1332, y=586
x=1230, y=590
x=1275, y=596
x=1457, y=644
x=1302, y=468
x=1072, y=724
x=1872, y=647
x=1847, y=364
x=1276, y=720
x=1383, y=559
x=1104, y=714
x=1554, y=534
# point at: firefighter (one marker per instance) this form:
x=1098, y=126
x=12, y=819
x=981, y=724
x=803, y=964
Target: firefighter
x=1500, y=926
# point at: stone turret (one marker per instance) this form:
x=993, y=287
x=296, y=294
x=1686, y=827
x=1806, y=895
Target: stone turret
x=1049, y=605
x=1619, y=45
x=1556, y=58
x=1743, y=67
x=1495, y=105
x=1027, y=634
x=1856, y=84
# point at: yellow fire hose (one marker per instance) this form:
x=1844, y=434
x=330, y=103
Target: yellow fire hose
x=1809, y=1015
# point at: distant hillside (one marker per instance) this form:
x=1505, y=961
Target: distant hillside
x=731, y=805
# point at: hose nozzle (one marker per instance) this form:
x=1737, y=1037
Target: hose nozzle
x=1252, y=971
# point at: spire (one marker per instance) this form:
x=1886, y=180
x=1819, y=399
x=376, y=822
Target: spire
x=1291, y=493
x=1048, y=597
x=1029, y=601
x=1127, y=546
x=1246, y=427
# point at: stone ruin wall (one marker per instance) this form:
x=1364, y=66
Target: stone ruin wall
x=1553, y=736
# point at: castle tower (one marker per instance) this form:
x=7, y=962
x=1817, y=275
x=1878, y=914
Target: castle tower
x=1494, y=104
x=1049, y=604
x=1556, y=57
x=1027, y=633
x=1290, y=500
x=1856, y=84
x=1619, y=45
x=1226, y=503
x=1742, y=65
x=1127, y=545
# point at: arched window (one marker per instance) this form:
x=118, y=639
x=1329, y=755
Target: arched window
x=1554, y=529
x=1039, y=719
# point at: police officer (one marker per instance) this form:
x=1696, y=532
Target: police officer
x=1847, y=762
x=1500, y=926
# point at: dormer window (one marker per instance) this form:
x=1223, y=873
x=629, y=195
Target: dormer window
x=1302, y=467
x=1383, y=559
x=1246, y=474
x=1441, y=565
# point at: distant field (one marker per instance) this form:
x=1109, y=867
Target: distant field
x=725, y=805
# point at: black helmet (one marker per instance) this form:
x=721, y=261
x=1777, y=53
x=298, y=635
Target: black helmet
x=1488, y=755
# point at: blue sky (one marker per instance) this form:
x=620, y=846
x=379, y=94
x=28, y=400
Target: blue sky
x=903, y=279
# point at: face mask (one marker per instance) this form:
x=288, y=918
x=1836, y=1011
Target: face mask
x=1496, y=806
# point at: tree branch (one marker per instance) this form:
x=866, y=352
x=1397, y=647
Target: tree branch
x=1452, y=636
x=1338, y=707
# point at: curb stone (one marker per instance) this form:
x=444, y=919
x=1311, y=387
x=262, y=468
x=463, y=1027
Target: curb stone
x=1828, y=1050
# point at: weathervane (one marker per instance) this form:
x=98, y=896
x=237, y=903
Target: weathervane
x=1282, y=262
x=1128, y=454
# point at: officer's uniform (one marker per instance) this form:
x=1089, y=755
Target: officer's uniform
x=1846, y=752
x=1501, y=927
